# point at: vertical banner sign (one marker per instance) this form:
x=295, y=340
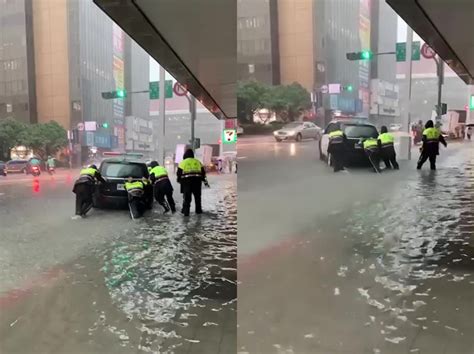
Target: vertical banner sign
x=364, y=65
x=118, y=68
x=118, y=72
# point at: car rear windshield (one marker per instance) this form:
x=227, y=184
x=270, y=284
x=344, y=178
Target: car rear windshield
x=360, y=131
x=123, y=170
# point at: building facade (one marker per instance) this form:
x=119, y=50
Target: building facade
x=257, y=41
x=17, y=61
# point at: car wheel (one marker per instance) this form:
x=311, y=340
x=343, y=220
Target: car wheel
x=299, y=138
x=278, y=140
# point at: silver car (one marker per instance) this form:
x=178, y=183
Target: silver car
x=298, y=131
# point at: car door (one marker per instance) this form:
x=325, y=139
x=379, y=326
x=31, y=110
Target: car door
x=313, y=130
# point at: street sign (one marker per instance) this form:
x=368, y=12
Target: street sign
x=90, y=126
x=80, y=126
x=154, y=87
x=180, y=90
x=324, y=89
x=401, y=51
x=230, y=136
x=427, y=51
x=334, y=88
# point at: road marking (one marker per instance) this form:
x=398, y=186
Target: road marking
x=241, y=157
x=2, y=194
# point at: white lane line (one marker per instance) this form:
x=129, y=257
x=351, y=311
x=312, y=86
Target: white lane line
x=241, y=157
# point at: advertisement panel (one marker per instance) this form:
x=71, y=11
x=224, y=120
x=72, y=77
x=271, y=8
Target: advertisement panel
x=118, y=74
x=364, y=65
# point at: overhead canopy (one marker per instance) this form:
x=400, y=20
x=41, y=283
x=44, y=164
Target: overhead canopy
x=194, y=40
x=447, y=26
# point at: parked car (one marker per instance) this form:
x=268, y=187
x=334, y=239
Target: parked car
x=395, y=127
x=17, y=166
x=3, y=169
x=298, y=131
x=240, y=131
x=116, y=171
x=356, y=132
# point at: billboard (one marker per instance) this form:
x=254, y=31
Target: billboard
x=364, y=65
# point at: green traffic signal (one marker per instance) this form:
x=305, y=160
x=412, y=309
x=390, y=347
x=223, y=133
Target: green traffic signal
x=349, y=88
x=121, y=93
x=366, y=55
x=105, y=125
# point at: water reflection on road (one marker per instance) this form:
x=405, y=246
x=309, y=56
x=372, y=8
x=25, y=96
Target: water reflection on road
x=392, y=273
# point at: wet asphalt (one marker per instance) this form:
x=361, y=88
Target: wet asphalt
x=354, y=262
x=107, y=284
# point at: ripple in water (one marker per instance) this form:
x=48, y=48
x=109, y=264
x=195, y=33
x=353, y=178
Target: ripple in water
x=176, y=273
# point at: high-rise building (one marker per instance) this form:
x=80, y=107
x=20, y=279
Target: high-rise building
x=17, y=90
x=257, y=41
x=56, y=59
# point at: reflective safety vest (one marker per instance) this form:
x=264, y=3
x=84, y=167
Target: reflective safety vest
x=134, y=187
x=386, y=139
x=336, y=137
x=88, y=172
x=149, y=169
x=191, y=167
x=432, y=135
x=371, y=144
x=159, y=172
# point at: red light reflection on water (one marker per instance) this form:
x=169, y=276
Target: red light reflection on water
x=36, y=185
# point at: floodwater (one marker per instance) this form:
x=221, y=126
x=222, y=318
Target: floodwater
x=389, y=273
x=166, y=285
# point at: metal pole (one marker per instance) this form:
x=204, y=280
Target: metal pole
x=440, y=71
x=192, y=111
x=408, y=73
x=162, y=118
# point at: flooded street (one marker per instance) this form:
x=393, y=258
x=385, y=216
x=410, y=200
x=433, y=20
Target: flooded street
x=375, y=264
x=163, y=284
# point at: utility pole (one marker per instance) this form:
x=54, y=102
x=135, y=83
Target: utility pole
x=406, y=119
x=161, y=119
x=440, y=72
x=192, y=111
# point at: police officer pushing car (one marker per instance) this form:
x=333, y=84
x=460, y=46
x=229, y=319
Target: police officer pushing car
x=84, y=189
x=162, y=187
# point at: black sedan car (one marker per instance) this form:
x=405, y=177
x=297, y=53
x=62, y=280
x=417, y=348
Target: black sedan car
x=116, y=171
x=356, y=131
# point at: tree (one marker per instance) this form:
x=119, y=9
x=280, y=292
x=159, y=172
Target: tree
x=12, y=133
x=46, y=139
x=289, y=102
x=251, y=96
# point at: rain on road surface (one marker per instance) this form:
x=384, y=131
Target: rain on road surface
x=106, y=284
x=354, y=262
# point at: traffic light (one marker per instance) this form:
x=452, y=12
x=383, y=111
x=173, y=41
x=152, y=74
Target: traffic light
x=348, y=88
x=105, y=125
x=364, y=55
x=471, y=103
x=114, y=94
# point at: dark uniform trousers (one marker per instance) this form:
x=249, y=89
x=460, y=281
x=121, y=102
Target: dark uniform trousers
x=84, y=191
x=163, y=191
x=389, y=157
x=191, y=186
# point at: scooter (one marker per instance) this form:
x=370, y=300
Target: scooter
x=35, y=171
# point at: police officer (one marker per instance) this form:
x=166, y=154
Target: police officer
x=336, y=148
x=162, y=187
x=191, y=175
x=84, y=189
x=387, y=149
x=136, y=197
x=430, y=148
x=371, y=148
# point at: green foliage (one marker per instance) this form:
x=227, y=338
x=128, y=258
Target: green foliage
x=45, y=139
x=251, y=96
x=12, y=133
x=289, y=102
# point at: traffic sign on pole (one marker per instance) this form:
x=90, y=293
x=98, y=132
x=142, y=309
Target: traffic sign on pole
x=427, y=51
x=180, y=90
x=229, y=136
x=154, y=88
